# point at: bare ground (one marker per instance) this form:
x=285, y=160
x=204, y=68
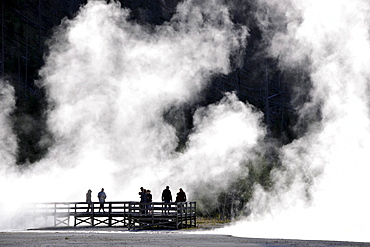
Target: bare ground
x=105, y=236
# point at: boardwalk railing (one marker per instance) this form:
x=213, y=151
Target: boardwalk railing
x=133, y=215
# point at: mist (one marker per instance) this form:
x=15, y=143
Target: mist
x=321, y=190
x=8, y=142
x=110, y=82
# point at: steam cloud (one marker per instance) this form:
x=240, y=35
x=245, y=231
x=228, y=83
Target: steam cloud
x=8, y=144
x=110, y=81
x=330, y=163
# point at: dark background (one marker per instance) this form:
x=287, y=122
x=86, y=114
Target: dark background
x=26, y=25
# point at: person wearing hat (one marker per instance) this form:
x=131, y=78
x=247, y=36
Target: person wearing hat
x=88, y=200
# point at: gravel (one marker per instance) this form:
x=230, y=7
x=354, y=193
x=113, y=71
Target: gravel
x=98, y=237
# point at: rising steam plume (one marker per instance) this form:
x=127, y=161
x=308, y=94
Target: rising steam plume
x=330, y=162
x=110, y=81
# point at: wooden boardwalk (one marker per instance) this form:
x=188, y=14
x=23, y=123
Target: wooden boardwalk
x=133, y=215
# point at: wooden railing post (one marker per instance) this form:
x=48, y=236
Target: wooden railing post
x=129, y=216
x=195, y=214
x=75, y=216
x=186, y=214
x=191, y=213
x=177, y=216
x=109, y=214
x=68, y=214
x=151, y=211
x=92, y=214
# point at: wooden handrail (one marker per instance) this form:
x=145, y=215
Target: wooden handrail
x=135, y=215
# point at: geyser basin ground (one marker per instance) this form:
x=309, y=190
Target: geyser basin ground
x=113, y=237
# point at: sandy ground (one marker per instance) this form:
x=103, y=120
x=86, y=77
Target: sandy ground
x=97, y=237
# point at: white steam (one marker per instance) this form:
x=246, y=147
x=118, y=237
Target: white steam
x=109, y=83
x=8, y=144
x=330, y=163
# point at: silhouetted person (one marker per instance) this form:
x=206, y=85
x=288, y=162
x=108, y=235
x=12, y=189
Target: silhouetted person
x=181, y=196
x=167, y=198
x=150, y=199
x=88, y=200
x=149, y=196
x=144, y=199
x=141, y=194
x=102, y=196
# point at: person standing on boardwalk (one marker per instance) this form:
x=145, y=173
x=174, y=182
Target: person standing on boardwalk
x=149, y=196
x=102, y=196
x=150, y=200
x=88, y=200
x=141, y=194
x=181, y=196
x=167, y=198
x=144, y=199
